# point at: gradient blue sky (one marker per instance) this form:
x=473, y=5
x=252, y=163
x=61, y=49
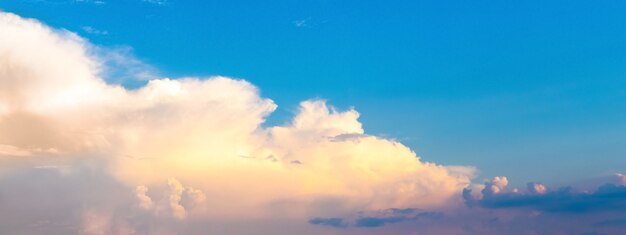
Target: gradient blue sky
x=534, y=90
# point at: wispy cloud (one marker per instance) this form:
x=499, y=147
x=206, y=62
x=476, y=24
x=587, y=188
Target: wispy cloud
x=301, y=23
x=92, y=30
x=156, y=2
x=97, y=2
x=333, y=222
x=308, y=22
x=66, y=2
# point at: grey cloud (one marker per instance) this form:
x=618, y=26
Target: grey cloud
x=78, y=197
x=52, y=200
x=378, y=218
x=332, y=222
x=498, y=210
x=608, y=197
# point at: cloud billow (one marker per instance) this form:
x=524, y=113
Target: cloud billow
x=184, y=151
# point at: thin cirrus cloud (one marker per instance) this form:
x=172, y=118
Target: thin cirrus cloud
x=156, y=2
x=92, y=30
x=181, y=154
x=81, y=154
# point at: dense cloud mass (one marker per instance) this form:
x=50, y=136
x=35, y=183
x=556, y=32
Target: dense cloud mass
x=82, y=155
x=180, y=150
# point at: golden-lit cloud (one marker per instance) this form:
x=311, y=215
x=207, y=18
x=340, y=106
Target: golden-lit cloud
x=195, y=148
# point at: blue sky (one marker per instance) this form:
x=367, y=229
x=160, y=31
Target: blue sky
x=531, y=89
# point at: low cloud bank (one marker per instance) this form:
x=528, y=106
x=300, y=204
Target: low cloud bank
x=496, y=208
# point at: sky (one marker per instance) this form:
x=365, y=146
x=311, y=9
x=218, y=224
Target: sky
x=301, y=117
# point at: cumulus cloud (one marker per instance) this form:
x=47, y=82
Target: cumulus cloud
x=172, y=149
x=143, y=200
x=497, y=185
x=537, y=188
x=176, y=192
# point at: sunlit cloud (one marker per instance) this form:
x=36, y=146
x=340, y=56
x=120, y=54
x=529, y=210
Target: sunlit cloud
x=177, y=151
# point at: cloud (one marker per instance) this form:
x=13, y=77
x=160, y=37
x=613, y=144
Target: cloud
x=143, y=201
x=53, y=201
x=500, y=210
x=379, y=218
x=156, y=2
x=391, y=216
x=619, y=179
x=301, y=23
x=91, y=30
x=333, y=222
x=609, y=197
x=97, y=2
x=536, y=188
x=170, y=150
x=497, y=185
x=176, y=192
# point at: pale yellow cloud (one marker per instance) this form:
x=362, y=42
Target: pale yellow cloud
x=143, y=201
x=197, y=145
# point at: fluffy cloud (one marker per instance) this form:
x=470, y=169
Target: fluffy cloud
x=144, y=202
x=176, y=153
